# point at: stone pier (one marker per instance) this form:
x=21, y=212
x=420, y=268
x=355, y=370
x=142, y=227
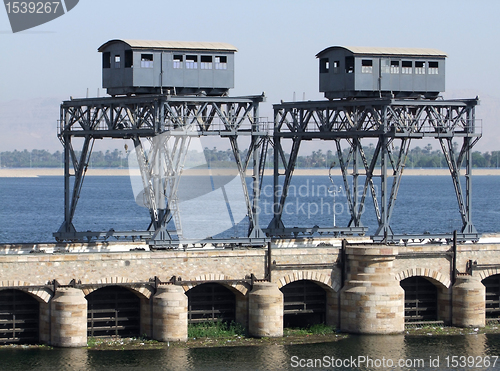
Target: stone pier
x=469, y=306
x=265, y=310
x=170, y=314
x=68, y=318
x=372, y=301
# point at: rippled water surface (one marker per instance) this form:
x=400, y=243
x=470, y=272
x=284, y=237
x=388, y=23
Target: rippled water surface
x=31, y=209
x=355, y=352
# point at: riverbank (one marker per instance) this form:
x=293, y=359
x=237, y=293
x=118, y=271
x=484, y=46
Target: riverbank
x=291, y=337
x=209, y=342
x=38, y=172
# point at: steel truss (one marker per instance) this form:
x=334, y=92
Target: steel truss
x=394, y=123
x=168, y=123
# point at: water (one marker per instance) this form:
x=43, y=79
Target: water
x=32, y=208
x=353, y=353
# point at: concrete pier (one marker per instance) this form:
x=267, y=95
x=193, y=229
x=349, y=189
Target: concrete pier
x=469, y=305
x=265, y=310
x=372, y=301
x=68, y=318
x=170, y=314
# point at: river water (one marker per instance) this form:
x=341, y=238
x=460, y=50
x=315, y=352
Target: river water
x=389, y=352
x=32, y=208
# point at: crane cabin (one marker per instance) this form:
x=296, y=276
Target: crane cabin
x=366, y=72
x=131, y=67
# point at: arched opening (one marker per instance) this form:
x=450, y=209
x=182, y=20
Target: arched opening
x=113, y=311
x=492, y=285
x=211, y=302
x=19, y=318
x=304, y=304
x=421, y=299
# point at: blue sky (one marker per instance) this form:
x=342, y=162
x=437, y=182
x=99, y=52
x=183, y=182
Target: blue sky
x=277, y=41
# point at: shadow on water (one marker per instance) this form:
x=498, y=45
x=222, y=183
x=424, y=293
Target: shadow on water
x=355, y=353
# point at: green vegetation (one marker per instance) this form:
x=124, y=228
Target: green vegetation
x=417, y=158
x=319, y=329
x=215, y=330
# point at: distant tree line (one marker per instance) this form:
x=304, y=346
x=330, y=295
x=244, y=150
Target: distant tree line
x=417, y=158
x=43, y=158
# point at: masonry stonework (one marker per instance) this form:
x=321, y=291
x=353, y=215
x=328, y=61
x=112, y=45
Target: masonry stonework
x=469, y=306
x=170, y=314
x=68, y=318
x=265, y=310
x=370, y=300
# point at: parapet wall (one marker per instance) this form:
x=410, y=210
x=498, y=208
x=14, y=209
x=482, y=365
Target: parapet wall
x=136, y=265
x=36, y=264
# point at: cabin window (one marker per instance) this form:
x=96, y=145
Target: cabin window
x=385, y=66
x=178, y=61
x=146, y=60
x=366, y=66
x=117, y=61
x=336, y=66
x=221, y=63
x=433, y=68
x=192, y=62
x=324, y=65
x=106, y=60
x=349, y=64
x=395, y=67
x=206, y=62
x=129, y=60
x=406, y=67
x=419, y=68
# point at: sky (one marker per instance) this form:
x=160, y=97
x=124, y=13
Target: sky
x=277, y=41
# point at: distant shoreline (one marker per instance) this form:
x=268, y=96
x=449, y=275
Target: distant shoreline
x=37, y=172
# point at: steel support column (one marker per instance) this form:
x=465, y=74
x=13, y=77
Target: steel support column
x=390, y=121
x=158, y=118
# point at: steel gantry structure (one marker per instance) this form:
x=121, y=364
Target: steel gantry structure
x=167, y=123
x=393, y=124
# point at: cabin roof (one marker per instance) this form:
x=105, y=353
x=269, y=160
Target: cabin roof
x=171, y=45
x=404, y=52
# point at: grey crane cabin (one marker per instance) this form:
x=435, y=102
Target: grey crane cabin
x=131, y=67
x=367, y=72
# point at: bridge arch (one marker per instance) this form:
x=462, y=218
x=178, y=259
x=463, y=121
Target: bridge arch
x=19, y=316
x=485, y=273
x=305, y=303
x=427, y=294
x=39, y=293
x=490, y=278
x=322, y=280
x=212, y=301
x=238, y=288
x=141, y=290
x=114, y=310
x=432, y=275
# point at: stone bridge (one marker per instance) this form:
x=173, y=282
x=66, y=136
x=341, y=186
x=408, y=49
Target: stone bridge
x=61, y=293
